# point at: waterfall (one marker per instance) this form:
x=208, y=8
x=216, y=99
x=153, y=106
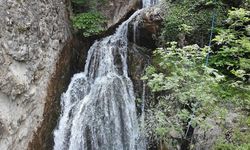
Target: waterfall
x=98, y=109
x=148, y=3
x=135, y=33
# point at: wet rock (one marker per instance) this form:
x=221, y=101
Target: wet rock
x=144, y=30
x=137, y=62
x=117, y=10
x=142, y=34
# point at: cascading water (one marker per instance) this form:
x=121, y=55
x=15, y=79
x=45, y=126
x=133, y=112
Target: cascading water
x=148, y=3
x=98, y=109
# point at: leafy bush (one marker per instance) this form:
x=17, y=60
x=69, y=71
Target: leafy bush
x=232, y=57
x=234, y=42
x=79, y=2
x=185, y=90
x=90, y=23
x=80, y=6
x=196, y=16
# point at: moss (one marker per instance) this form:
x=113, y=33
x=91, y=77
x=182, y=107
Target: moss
x=22, y=29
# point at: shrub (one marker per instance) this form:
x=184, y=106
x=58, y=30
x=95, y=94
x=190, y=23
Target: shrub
x=196, y=16
x=183, y=89
x=231, y=55
x=90, y=23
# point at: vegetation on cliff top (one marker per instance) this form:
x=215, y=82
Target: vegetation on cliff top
x=186, y=92
x=89, y=24
x=86, y=17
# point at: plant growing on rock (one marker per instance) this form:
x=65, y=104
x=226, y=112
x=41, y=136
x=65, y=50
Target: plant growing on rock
x=189, y=21
x=183, y=89
x=186, y=92
x=80, y=6
x=89, y=24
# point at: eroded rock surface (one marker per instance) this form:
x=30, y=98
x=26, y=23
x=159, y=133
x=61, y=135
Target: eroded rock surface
x=116, y=10
x=205, y=139
x=32, y=35
x=144, y=29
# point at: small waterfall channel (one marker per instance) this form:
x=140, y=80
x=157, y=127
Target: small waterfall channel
x=148, y=3
x=98, y=109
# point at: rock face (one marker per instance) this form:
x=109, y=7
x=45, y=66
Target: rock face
x=144, y=30
x=32, y=36
x=71, y=60
x=117, y=10
x=206, y=139
x=138, y=60
x=142, y=34
x=37, y=58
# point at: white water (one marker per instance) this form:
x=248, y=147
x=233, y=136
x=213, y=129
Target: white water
x=148, y=3
x=135, y=33
x=98, y=109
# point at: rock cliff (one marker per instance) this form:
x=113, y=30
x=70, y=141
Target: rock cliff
x=32, y=35
x=117, y=10
x=38, y=55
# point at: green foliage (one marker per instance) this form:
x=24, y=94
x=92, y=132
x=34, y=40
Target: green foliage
x=185, y=92
x=89, y=3
x=234, y=42
x=191, y=18
x=90, y=23
x=232, y=57
x=187, y=86
x=87, y=19
x=236, y=137
x=79, y=2
x=81, y=6
x=230, y=146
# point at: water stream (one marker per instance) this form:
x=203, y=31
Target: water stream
x=98, y=109
x=148, y=3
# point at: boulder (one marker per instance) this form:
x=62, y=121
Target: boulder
x=205, y=139
x=117, y=11
x=144, y=30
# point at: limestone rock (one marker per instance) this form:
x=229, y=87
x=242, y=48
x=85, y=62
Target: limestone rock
x=205, y=139
x=32, y=35
x=144, y=30
x=117, y=10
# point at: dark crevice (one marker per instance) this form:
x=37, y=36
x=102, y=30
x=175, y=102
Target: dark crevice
x=71, y=60
x=185, y=144
x=188, y=129
x=111, y=30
